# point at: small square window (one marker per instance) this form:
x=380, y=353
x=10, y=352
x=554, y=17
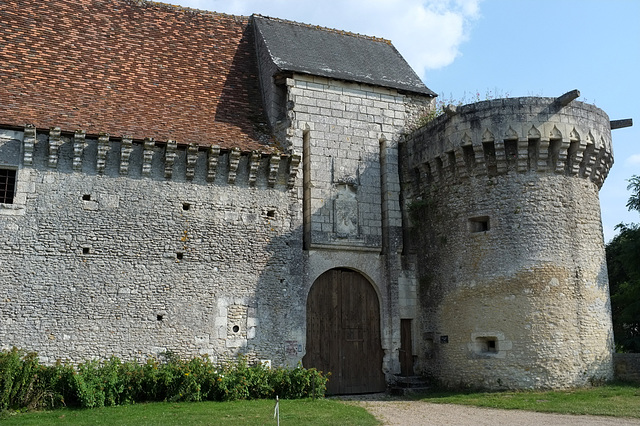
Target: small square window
x=7, y=185
x=486, y=345
x=479, y=224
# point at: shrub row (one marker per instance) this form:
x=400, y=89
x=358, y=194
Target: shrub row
x=25, y=383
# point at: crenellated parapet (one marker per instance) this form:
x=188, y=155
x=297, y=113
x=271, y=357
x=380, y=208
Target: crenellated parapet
x=519, y=135
x=106, y=155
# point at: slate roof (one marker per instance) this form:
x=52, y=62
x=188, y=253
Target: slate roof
x=131, y=67
x=337, y=54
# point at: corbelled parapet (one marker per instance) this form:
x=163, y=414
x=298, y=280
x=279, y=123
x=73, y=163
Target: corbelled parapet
x=152, y=159
x=518, y=135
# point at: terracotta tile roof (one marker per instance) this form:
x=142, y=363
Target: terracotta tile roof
x=131, y=67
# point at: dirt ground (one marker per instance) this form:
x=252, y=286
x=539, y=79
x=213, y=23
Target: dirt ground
x=405, y=412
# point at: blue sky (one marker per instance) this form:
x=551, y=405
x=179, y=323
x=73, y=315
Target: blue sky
x=504, y=48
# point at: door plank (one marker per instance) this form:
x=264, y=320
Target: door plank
x=343, y=332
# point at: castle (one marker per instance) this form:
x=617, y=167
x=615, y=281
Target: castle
x=175, y=180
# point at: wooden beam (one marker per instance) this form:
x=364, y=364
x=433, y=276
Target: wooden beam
x=619, y=124
x=565, y=99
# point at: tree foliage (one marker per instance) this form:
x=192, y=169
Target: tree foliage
x=634, y=187
x=623, y=261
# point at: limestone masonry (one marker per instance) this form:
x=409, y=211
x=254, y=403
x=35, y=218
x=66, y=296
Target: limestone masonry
x=174, y=180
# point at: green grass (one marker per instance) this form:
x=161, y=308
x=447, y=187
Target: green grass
x=255, y=412
x=619, y=400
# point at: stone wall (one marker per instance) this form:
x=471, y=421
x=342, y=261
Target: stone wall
x=492, y=245
x=627, y=367
x=101, y=260
x=133, y=248
x=503, y=200
x=347, y=135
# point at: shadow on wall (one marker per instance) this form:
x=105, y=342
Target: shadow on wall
x=241, y=87
x=345, y=217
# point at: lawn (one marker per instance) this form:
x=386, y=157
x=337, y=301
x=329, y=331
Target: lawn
x=619, y=400
x=255, y=412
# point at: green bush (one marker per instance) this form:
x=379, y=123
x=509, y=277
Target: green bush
x=24, y=383
x=19, y=381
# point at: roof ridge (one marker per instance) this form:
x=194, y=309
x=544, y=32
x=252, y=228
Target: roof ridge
x=170, y=6
x=327, y=29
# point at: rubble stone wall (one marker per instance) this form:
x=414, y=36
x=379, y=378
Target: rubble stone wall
x=96, y=262
x=513, y=288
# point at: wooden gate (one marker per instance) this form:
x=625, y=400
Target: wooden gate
x=343, y=332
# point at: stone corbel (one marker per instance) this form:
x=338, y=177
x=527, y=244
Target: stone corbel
x=54, y=146
x=147, y=155
x=212, y=165
x=523, y=154
x=103, y=148
x=192, y=158
x=274, y=163
x=294, y=162
x=234, y=160
x=126, y=148
x=78, y=149
x=169, y=158
x=254, y=162
x=28, y=143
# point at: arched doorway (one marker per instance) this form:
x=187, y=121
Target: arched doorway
x=343, y=332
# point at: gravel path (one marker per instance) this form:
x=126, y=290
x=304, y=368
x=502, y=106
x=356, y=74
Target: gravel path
x=406, y=413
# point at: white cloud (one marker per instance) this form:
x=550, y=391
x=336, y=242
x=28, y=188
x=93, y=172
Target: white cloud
x=428, y=33
x=633, y=160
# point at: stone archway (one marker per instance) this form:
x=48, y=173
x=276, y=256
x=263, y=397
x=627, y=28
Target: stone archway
x=343, y=332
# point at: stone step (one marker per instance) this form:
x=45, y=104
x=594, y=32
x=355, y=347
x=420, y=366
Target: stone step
x=405, y=385
x=410, y=381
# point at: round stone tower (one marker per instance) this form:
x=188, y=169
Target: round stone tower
x=502, y=199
